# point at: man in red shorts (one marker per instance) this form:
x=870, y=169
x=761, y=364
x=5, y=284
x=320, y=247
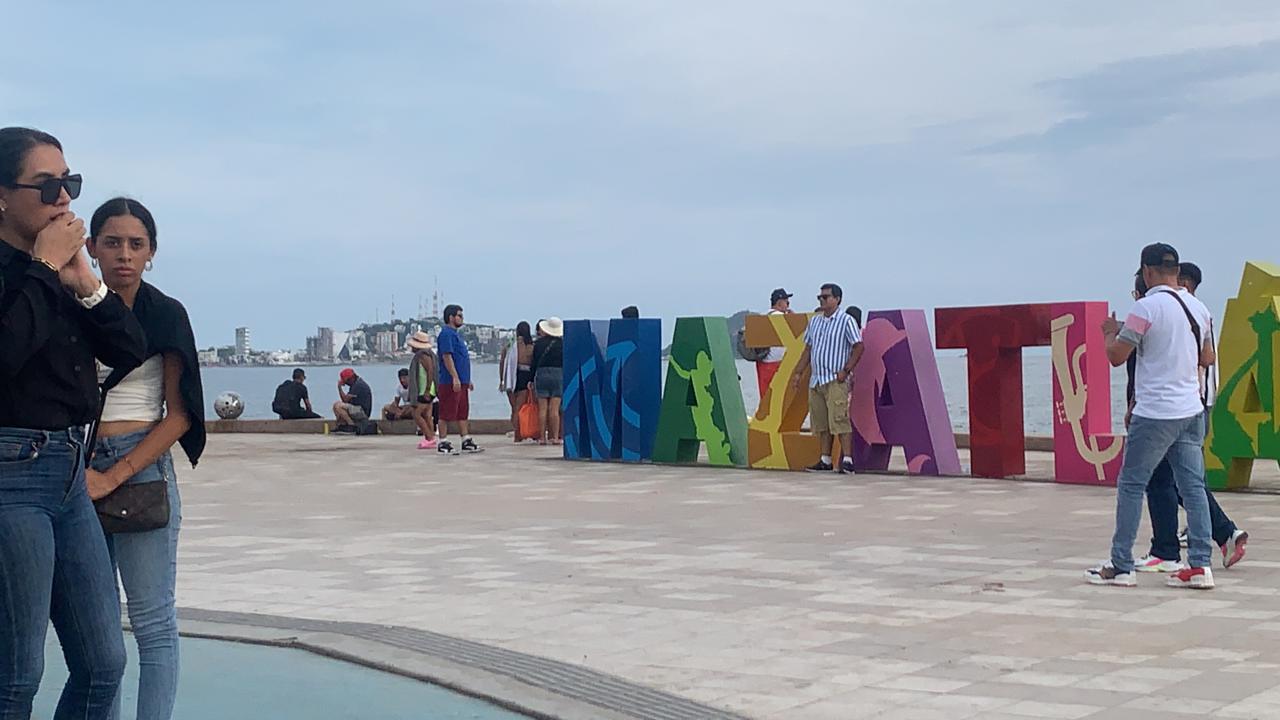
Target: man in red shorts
x=455, y=382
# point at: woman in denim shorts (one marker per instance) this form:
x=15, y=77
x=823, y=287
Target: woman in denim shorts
x=548, y=378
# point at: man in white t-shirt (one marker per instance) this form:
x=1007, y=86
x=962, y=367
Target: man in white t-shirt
x=401, y=407
x=1168, y=328
x=780, y=304
x=1162, y=494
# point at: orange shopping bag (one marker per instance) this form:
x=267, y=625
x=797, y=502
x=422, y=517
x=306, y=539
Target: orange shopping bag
x=529, y=418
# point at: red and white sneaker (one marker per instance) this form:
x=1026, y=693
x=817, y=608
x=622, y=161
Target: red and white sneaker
x=1233, y=549
x=1151, y=563
x=1195, y=578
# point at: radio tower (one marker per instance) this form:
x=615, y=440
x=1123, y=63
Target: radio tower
x=393, y=308
x=435, y=299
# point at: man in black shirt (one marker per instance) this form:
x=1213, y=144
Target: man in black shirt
x=292, y=401
x=356, y=406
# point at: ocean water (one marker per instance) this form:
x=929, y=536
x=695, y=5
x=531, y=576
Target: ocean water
x=256, y=386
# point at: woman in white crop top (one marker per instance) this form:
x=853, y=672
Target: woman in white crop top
x=144, y=415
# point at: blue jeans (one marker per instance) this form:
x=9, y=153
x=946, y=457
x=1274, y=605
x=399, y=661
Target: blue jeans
x=1162, y=503
x=54, y=567
x=148, y=567
x=1181, y=442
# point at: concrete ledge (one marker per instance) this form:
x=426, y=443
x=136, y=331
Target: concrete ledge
x=1039, y=443
x=317, y=427
x=538, y=687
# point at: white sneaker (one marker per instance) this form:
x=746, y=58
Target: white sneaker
x=1151, y=563
x=1106, y=574
x=1233, y=549
x=1182, y=538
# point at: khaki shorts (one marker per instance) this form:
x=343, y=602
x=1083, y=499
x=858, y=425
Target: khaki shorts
x=356, y=412
x=829, y=408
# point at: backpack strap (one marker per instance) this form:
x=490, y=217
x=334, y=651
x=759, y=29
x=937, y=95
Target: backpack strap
x=1195, y=330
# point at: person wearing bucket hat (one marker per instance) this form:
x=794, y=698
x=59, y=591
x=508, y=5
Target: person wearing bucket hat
x=548, y=378
x=422, y=388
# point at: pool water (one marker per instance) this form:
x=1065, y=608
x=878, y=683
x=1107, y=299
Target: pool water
x=232, y=680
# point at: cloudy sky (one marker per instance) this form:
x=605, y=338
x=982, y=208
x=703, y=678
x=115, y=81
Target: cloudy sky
x=307, y=161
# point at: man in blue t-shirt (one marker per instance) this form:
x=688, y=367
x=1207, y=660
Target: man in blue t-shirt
x=455, y=381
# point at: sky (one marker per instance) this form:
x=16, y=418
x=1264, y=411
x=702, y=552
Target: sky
x=309, y=161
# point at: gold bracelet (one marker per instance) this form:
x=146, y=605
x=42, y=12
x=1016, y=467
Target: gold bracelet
x=47, y=264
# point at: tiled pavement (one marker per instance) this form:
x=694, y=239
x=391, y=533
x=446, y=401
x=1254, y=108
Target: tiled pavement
x=775, y=595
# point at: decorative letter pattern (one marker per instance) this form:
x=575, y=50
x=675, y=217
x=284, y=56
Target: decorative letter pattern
x=774, y=439
x=898, y=398
x=994, y=337
x=702, y=401
x=1244, y=424
x=1084, y=449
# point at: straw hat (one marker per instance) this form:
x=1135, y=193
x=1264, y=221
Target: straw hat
x=553, y=326
x=420, y=341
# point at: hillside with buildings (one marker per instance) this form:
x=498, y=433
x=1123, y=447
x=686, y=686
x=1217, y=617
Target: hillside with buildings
x=368, y=343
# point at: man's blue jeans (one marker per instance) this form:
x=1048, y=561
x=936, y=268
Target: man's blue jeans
x=1150, y=441
x=54, y=566
x=1162, y=504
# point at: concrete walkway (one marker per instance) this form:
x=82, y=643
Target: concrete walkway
x=775, y=595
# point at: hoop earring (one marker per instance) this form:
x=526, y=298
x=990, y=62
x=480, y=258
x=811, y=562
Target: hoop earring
x=150, y=266
x=93, y=262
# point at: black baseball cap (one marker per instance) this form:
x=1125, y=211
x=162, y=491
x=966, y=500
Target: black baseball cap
x=778, y=294
x=1191, y=271
x=1160, y=255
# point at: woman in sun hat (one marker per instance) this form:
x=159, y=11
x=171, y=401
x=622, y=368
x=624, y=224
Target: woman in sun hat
x=548, y=378
x=422, y=388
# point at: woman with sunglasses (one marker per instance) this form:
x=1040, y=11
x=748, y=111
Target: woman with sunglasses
x=144, y=413
x=56, y=319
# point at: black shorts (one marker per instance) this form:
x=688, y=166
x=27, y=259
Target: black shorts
x=523, y=378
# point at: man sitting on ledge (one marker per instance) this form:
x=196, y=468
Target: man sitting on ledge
x=352, y=407
x=291, y=401
x=399, y=408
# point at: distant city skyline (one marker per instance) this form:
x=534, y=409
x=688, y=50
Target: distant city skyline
x=576, y=157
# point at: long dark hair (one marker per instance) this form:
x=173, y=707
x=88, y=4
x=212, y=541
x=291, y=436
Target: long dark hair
x=116, y=207
x=855, y=312
x=15, y=143
x=524, y=332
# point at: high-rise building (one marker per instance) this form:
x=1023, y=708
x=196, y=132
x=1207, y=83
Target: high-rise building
x=385, y=342
x=320, y=346
x=242, y=342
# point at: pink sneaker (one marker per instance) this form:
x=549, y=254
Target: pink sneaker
x=1233, y=549
x=425, y=444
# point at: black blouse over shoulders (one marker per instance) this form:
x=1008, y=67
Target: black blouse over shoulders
x=48, y=345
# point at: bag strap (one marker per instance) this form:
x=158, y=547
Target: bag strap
x=1195, y=330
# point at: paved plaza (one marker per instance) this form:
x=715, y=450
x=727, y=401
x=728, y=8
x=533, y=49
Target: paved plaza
x=769, y=594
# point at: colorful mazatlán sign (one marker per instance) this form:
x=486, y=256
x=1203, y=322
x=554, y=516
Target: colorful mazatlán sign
x=1243, y=424
x=616, y=408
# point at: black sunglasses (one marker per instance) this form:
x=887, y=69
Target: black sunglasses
x=824, y=297
x=51, y=189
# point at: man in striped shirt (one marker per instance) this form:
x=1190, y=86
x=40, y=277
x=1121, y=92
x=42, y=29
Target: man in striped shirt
x=833, y=346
